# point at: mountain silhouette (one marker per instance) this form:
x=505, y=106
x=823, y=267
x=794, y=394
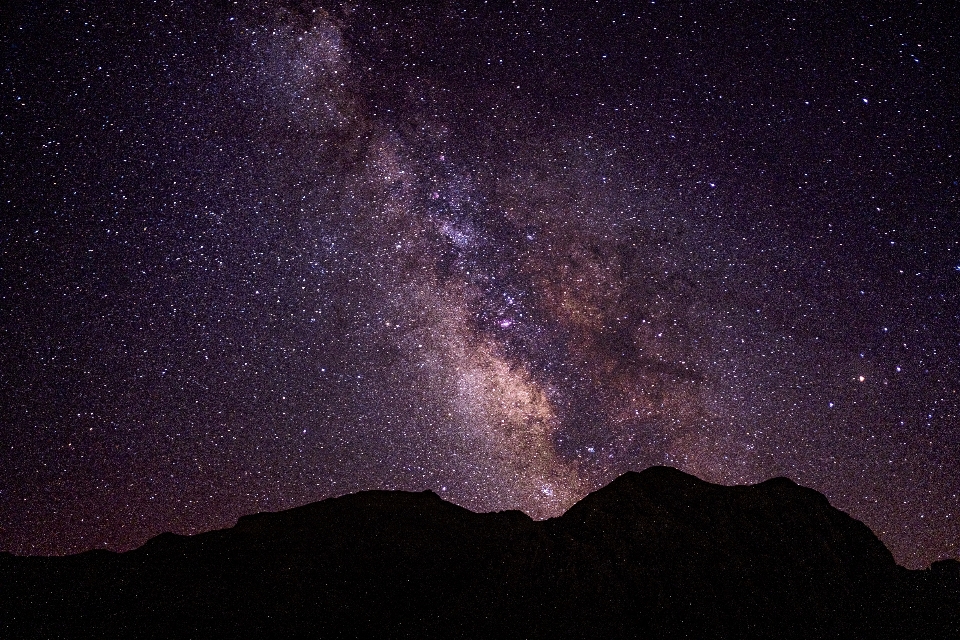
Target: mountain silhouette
x=655, y=554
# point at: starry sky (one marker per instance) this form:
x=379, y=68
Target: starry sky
x=254, y=255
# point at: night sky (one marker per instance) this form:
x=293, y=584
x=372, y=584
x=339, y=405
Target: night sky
x=254, y=255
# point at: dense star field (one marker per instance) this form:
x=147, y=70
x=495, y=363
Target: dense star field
x=257, y=256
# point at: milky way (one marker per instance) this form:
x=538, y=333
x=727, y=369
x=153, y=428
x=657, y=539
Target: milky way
x=257, y=257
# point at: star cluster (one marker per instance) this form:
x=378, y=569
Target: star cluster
x=256, y=255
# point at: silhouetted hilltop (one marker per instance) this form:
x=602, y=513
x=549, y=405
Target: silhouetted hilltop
x=656, y=554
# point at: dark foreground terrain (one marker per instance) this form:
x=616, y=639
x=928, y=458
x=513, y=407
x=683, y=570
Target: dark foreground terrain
x=657, y=554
